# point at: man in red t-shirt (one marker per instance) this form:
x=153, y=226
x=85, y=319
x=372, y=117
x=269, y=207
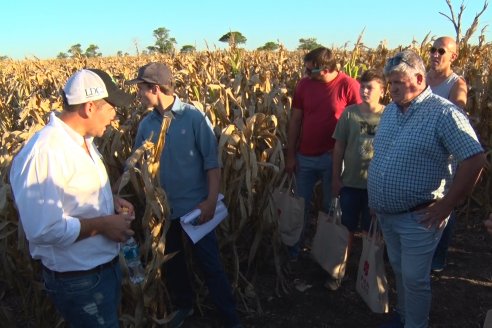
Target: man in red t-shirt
x=319, y=100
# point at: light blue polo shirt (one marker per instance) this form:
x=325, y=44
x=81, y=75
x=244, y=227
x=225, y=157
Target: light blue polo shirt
x=412, y=151
x=189, y=152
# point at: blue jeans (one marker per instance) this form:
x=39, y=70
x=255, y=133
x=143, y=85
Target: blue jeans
x=441, y=253
x=311, y=169
x=206, y=252
x=410, y=248
x=354, y=205
x=90, y=300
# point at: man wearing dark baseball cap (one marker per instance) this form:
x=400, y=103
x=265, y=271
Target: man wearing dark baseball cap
x=153, y=73
x=66, y=206
x=190, y=175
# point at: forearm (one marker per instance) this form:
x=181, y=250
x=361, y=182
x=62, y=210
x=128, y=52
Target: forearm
x=91, y=227
x=465, y=179
x=207, y=207
x=115, y=227
x=213, y=177
x=293, y=132
x=338, y=152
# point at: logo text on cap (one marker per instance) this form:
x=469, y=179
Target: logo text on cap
x=91, y=92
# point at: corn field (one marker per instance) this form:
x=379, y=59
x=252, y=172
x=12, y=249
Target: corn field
x=247, y=97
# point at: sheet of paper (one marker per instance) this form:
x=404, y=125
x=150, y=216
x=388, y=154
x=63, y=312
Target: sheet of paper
x=196, y=232
x=189, y=217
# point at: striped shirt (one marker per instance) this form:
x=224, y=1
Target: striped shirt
x=412, y=150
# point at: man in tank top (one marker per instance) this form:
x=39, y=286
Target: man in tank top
x=441, y=77
x=446, y=83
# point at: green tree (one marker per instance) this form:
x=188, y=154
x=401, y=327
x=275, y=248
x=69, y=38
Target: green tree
x=75, y=50
x=164, y=44
x=4, y=58
x=92, y=51
x=269, y=46
x=187, y=48
x=62, y=55
x=233, y=38
x=308, y=44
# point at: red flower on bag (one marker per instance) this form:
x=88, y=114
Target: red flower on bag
x=366, y=268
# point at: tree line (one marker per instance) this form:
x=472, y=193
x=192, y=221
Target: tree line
x=165, y=44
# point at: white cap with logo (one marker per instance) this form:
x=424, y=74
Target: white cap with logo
x=93, y=84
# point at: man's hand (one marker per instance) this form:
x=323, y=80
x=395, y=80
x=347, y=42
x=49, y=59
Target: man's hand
x=488, y=224
x=115, y=227
x=435, y=214
x=207, y=209
x=122, y=206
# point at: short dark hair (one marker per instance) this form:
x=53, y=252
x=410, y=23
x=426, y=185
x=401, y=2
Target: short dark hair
x=371, y=75
x=321, y=58
x=66, y=106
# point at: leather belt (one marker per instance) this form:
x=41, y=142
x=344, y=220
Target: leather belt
x=418, y=207
x=68, y=274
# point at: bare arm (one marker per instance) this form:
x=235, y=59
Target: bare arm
x=115, y=227
x=207, y=207
x=292, y=138
x=465, y=179
x=458, y=93
x=338, y=153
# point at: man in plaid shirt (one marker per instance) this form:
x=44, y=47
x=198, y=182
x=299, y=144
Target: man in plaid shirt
x=408, y=179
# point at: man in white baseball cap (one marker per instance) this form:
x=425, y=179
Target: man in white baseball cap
x=66, y=207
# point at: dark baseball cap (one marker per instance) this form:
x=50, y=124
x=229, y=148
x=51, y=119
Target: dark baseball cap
x=154, y=73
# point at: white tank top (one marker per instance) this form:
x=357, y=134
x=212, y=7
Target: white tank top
x=444, y=88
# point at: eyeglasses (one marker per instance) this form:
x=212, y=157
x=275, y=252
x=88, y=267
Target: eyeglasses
x=440, y=51
x=394, y=61
x=316, y=70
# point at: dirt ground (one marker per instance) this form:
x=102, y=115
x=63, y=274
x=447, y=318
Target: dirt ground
x=461, y=294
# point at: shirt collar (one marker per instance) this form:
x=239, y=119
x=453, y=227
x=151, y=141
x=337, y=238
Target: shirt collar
x=177, y=107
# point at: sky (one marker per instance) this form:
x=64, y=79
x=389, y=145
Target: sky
x=42, y=29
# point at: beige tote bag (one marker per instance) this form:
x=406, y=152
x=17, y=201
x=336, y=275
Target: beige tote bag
x=290, y=210
x=330, y=244
x=372, y=285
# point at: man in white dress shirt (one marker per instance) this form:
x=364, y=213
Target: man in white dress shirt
x=66, y=207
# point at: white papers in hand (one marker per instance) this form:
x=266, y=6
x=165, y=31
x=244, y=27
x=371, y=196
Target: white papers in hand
x=196, y=232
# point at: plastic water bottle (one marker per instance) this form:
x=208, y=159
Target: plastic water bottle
x=131, y=253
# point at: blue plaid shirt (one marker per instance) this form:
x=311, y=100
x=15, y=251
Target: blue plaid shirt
x=412, y=151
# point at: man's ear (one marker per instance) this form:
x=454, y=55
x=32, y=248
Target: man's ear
x=420, y=78
x=87, y=109
x=454, y=56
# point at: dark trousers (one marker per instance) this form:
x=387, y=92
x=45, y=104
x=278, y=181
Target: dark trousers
x=206, y=253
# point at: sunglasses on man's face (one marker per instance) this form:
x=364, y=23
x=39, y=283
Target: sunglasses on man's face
x=440, y=51
x=313, y=70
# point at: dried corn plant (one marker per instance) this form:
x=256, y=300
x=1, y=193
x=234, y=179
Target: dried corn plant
x=247, y=96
